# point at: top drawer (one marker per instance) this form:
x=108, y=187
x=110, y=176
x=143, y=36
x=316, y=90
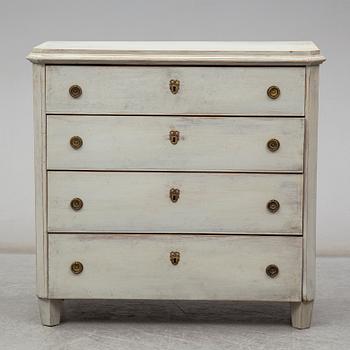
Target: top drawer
x=197, y=90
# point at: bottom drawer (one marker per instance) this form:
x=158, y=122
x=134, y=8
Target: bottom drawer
x=125, y=266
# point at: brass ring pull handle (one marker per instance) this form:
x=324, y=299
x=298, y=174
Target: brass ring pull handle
x=77, y=267
x=76, y=142
x=272, y=271
x=76, y=204
x=174, y=194
x=273, y=206
x=273, y=145
x=174, y=136
x=174, y=86
x=174, y=257
x=273, y=92
x=75, y=91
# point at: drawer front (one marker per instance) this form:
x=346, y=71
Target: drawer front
x=175, y=143
x=149, y=202
x=208, y=267
x=201, y=90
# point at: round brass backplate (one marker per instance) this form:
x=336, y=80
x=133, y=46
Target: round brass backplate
x=77, y=267
x=76, y=203
x=273, y=206
x=76, y=142
x=273, y=92
x=75, y=91
x=272, y=270
x=273, y=145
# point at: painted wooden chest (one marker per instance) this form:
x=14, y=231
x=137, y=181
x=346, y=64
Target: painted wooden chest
x=176, y=170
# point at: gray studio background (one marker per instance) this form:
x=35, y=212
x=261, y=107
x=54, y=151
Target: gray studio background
x=24, y=24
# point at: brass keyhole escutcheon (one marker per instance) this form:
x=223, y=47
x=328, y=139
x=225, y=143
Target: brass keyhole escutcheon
x=77, y=267
x=273, y=92
x=76, y=204
x=272, y=271
x=273, y=206
x=76, y=142
x=75, y=91
x=273, y=145
x=174, y=86
x=174, y=257
x=174, y=136
x=174, y=194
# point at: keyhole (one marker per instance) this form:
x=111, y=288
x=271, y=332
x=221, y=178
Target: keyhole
x=174, y=137
x=174, y=86
x=174, y=195
x=174, y=257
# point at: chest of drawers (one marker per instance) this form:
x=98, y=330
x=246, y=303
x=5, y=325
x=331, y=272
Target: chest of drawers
x=176, y=170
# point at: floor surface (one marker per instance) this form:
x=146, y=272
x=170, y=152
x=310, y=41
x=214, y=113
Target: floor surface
x=167, y=325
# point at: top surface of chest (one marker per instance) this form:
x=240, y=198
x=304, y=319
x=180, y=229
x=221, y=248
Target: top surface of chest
x=178, y=52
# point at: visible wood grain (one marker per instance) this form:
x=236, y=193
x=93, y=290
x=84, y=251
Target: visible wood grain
x=178, y=52
x=40, y=178
x=50, y=311
x=210, y=268
x=310, y=183
x=301, y=314
x=203, y=90
x=208, y=203
x=206, y=144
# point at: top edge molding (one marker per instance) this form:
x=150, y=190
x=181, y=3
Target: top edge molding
x=177, y=52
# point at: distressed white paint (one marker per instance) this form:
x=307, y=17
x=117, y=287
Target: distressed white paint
x=206, y=144
x=139, y=202
x=178, y=52
x=210, y=267
x=40, y=178
x=203, y=90
x=128, y=264
x=310, y=184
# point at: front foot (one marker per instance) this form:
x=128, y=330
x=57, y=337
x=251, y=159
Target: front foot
x=50, y=311
x=301, y=314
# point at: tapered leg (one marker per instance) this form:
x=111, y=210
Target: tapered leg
x=301, y=314
x=50, y=311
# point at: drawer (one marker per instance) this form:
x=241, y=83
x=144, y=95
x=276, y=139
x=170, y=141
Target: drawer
x=201, y=90
x=208, y=267
x=149, y=202
x=175, y=143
